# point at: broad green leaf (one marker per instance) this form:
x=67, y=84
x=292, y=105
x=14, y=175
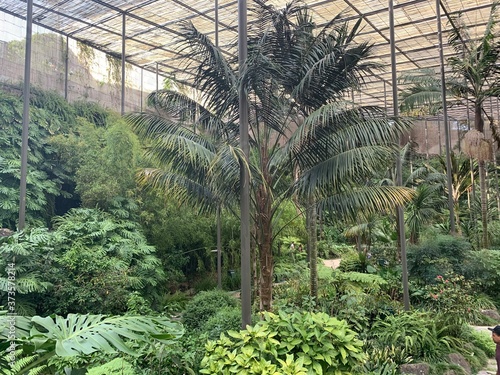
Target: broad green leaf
x=86, y=334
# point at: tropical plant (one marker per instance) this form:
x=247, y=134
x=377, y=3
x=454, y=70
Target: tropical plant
x=117, y=366
x=92, y=112
x=384, y=361
x=455, y=297
x=475, y=77
x=185, y=249
x=435, y=256
x=286, y=343
x=417, y=333
x=205, y=305
x=91, y=261
x=481, y=267
x=43, y=338
x=296, y=129
x=44, y=177
x=481, y=339
x=422, y=209
x=22, y=271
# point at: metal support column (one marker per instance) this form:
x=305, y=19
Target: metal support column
x=426, y=131
x=142, y=87
x=246, y=298
x=157, y=78
x=219, y=248
x=66, y=69
x=123, y=64
x=26, y=117
x=219, y=235
x=399, y=173
x=446, y=123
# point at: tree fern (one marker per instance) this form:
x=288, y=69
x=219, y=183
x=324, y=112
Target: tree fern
x=27, y=365
x=117, y=366
x=364, y=278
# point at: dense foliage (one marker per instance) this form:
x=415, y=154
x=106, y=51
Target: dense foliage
x=286, y=343
x=112, y=275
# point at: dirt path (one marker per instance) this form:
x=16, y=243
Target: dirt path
x=491, y=367
x=333, y=263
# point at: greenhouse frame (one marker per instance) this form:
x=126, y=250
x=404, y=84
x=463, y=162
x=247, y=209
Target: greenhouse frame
x=146, y=32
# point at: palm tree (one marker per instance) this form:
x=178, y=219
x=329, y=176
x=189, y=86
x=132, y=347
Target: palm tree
x=336, y=144
x=423, y=208
x=303, y=140
x=462, y=175
x=475, y=77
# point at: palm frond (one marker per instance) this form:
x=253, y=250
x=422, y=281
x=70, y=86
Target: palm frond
x=213, y=74
x=190, y=113
x=370, y=199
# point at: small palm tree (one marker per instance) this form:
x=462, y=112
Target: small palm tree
x=422, y=209
x=462, y=174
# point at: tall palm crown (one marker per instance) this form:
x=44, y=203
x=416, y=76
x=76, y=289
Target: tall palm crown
x=303, y=137
x=475, y=65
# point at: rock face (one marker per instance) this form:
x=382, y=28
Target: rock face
x=492, y=314
x=5, y=232
x=415, y=369
x=458, y=359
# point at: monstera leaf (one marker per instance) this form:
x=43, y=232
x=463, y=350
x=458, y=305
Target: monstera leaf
x=86, y=334
x=44, y=337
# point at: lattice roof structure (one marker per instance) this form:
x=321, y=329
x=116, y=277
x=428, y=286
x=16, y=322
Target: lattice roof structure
x=152, y=32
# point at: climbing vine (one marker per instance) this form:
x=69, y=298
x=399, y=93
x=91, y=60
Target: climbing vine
x=86, y=54
x=114, y=71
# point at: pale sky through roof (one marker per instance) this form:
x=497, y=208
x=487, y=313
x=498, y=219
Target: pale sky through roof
x=13, y=28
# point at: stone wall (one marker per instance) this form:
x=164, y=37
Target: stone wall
x=429, y=135
x=92, y=75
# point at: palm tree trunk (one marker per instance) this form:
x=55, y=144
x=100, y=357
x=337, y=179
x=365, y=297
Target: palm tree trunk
x=264, y=243
x=479, y=125
x=312, y=246
x=484, y=203
x=255, y=268
x=456, y=208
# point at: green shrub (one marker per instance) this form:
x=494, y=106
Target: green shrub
x=329, y=250
x=204, y=305
x=231, y=280
x=480, y=339
x=138, y=305
x=207, y=282
x=174, y=303
x=182, y=357
x=117, y=366
x=291, y=292
x=418, y=333
x=287, y=269
x=227, y=318
x=384, y=361
x=454, y=297
x=355, y=262
x=296, y=343
x=484, y=268
x=475, y=356
x=440, y=255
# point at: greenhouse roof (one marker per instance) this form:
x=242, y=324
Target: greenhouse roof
x=152, y=29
